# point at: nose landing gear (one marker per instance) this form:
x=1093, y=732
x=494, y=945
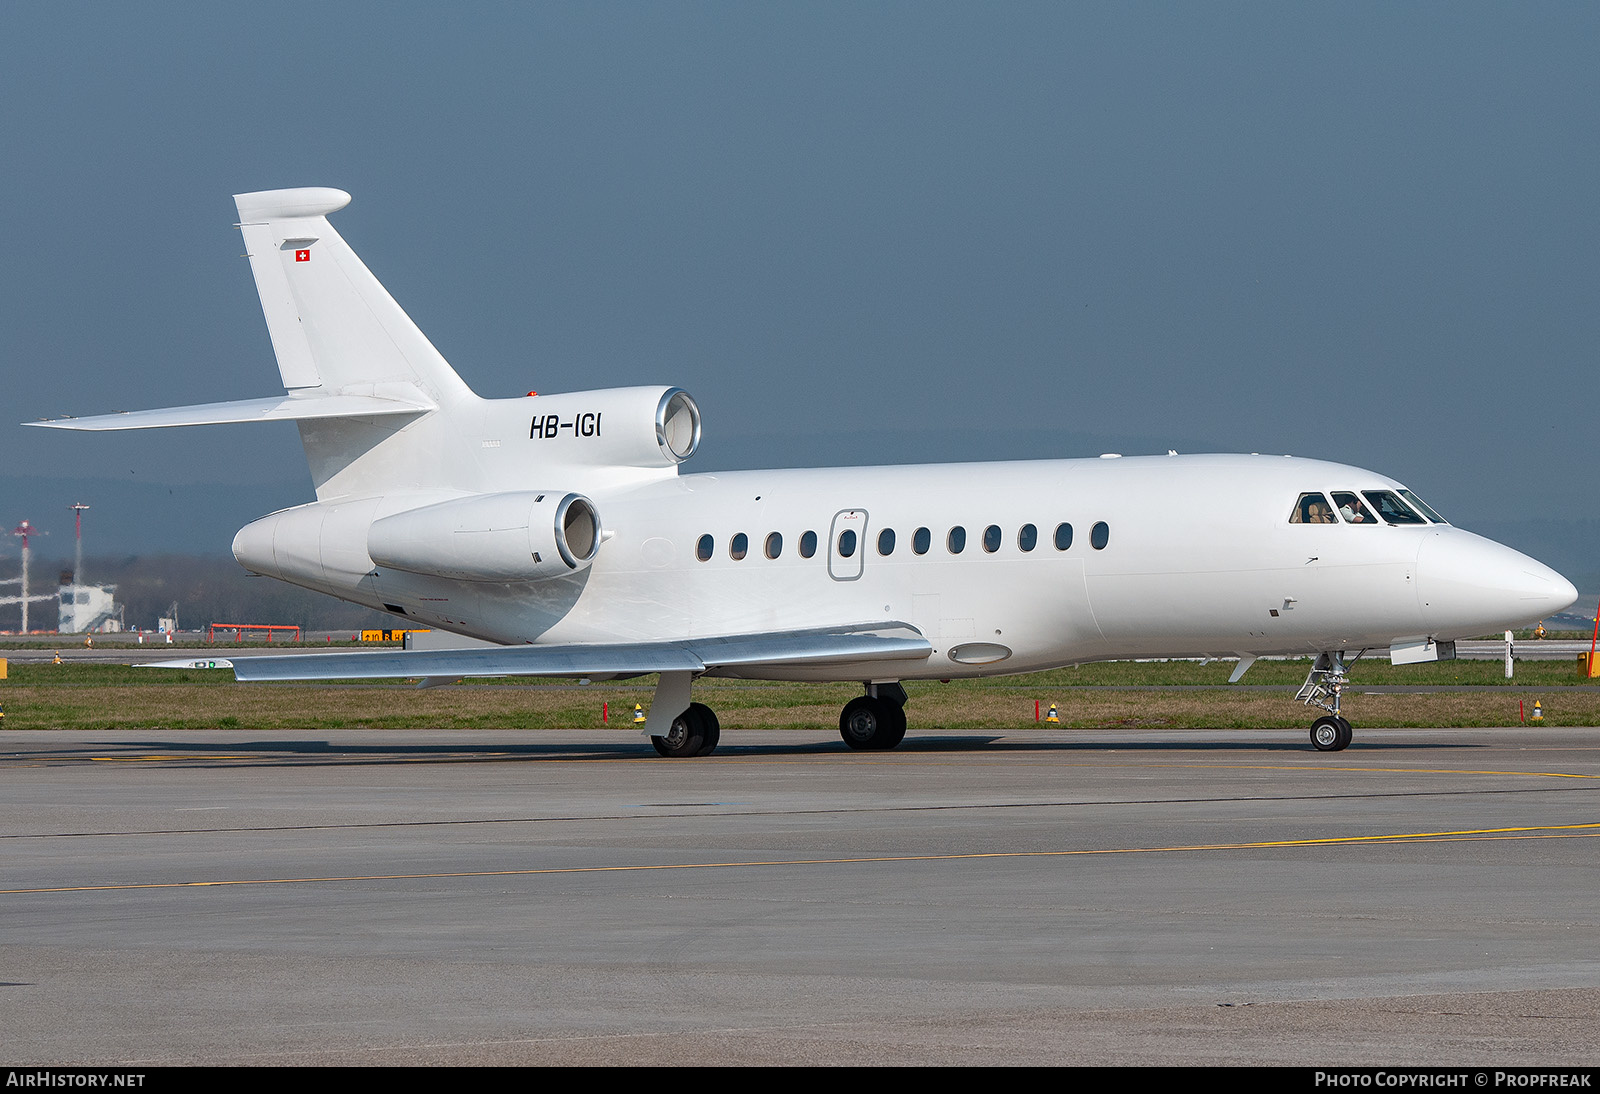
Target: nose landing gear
x=1324, y=687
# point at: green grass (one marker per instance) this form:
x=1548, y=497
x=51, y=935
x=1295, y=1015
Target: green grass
x=1102, y=696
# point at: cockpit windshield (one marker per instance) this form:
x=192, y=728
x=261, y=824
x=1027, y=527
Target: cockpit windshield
x=1351, y=509
x=1391, y=508
x=1348, y=508
x=1423, y=507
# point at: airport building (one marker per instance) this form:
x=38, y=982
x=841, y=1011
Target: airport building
x=88, y=608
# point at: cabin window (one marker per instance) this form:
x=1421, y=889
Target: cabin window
x=808, y=544
x=702, y=549
x=956, y=541
x=774, y=546
x=1027, y=537
x=847, y=543
x=886, y=542
x=1099, y=536
x=921, y=540
x=738, y=546
x=1312, y=509
x=1351, y=509
x=1423, y=507
x=1063, y=536
x=991, y=538
x=1391, y=508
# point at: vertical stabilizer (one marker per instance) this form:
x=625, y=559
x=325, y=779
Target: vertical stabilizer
x=337, y=332
x=333, y=326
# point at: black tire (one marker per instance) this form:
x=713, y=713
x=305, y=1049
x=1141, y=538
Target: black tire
x=868, y=723
x=710, y=728
x=895, y=732
x=685, y=738
x=1346, y=734
x=1328, y=734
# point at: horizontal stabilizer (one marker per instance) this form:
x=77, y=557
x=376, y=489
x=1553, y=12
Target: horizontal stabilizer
x=281, y=408
x=887, y=641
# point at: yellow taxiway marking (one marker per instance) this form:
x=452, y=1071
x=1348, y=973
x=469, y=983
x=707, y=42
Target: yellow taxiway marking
x=1379, y=770
x=156, y=759
x=1546, y=831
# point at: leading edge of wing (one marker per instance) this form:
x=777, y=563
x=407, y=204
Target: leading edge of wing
x=865, y=642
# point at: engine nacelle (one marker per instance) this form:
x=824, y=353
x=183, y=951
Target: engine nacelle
x=655, y=427
x=525, y=535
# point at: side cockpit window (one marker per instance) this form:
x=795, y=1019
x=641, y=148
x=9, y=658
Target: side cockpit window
x=1391, y=508
x=1312, y=509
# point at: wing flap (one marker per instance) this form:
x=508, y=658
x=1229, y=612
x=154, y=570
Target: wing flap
x=870, y=642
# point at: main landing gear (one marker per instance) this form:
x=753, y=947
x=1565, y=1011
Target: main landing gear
x=695, y=732
x=1324, y=687
x=876, y=720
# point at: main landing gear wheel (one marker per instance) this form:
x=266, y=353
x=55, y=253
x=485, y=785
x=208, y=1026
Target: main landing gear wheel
x=695, y=732
x=870, y=723
x=710, y=728
x=1331, y=734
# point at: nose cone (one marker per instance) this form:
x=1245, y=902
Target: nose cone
x=1470, y=585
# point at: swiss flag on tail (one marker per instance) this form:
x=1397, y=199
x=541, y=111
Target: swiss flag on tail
x=302, y=256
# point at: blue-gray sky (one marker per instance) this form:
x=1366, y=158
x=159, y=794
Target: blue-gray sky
x=856, y=232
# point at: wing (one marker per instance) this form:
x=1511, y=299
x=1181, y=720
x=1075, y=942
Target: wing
x=787, y=649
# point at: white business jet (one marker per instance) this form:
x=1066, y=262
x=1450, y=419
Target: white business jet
x=558, y=532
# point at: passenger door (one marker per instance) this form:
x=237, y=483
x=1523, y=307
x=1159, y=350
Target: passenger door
x=847, y=544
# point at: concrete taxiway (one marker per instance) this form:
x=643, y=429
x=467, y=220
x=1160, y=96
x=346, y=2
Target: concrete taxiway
x=1426, y=897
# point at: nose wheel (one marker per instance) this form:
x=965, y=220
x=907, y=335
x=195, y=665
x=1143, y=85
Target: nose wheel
x=1331, y=734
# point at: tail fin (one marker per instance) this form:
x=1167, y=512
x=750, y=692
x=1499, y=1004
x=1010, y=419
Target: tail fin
x=338, y=333
x=333, y=326
x=377, y=406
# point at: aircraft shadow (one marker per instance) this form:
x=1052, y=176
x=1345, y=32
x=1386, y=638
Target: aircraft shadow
x=324, y=751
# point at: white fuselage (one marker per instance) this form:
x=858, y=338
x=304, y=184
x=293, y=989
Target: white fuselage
x=1200, y=558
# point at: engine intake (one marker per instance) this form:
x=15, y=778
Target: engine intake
x=524, y=535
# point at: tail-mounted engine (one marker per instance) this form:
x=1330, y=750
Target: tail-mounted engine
x=525, y=535
x=619, y=427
